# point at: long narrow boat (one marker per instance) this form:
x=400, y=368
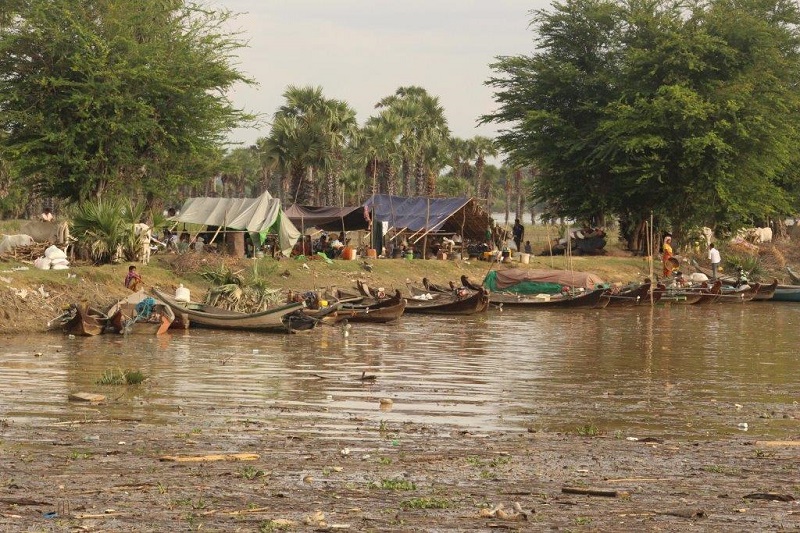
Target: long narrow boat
x=283, y=318
x=85, y=321
x=632, y=296
x=786, y=293
x=386, y=310
x=140, y=314
x=742, y=294
x=709, y=295
x=455, y=303
x=589, y=299
x=766, y=292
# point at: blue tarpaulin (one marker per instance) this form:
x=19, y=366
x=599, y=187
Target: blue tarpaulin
x=421, y=214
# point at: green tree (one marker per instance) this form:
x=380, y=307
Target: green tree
x=100, y=97
x=423, y=138
x=631, y=108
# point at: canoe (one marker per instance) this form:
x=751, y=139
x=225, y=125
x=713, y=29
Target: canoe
x=140, y=314
x=766, y=292
x=742, y=294
x=589, y=299
x=632, y=296
x=786, y=293
x=709, y=295
x=467, y=299
x=85, y=321
x=380, y=312
x=283, y=318
x=460, y=301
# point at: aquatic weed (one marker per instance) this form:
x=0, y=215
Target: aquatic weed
x=426, y=503
x=121, y=377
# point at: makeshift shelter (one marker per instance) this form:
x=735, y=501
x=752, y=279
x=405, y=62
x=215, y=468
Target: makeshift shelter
x=329, y=218
x=260, y=217
x=421, y=215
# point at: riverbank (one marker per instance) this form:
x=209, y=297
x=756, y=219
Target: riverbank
x=29, y=298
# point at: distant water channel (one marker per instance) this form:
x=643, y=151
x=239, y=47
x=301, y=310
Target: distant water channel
x=669, y=371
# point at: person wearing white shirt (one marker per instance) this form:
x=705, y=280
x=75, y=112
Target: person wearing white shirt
x=714, y=257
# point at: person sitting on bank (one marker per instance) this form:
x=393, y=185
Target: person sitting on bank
x=47, y=215
x=133, y=280
x=528, y=249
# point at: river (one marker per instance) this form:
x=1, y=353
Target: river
x=688, y=371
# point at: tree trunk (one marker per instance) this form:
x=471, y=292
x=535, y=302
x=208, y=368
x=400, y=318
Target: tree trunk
x=419, y=177
x=407, y=178
x=480, y=165
x=518, y=192
x=430, y=184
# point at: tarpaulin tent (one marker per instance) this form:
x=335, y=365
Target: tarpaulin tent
x=422, y=215
x=329, y=218
x=262, y=215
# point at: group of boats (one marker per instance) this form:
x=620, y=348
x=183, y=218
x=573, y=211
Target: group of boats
x=156, y=313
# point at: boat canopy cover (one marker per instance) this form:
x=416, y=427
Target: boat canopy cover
x=260, y=215
x=542, y=281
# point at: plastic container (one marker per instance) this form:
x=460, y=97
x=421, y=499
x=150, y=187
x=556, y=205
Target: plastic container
x=524, y=258
x=182, y=294
x=348, y=253
x=372, y=253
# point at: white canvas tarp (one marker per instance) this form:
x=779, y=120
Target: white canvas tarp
x=255, y=215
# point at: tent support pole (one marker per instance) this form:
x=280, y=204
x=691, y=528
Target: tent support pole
x=427, y=229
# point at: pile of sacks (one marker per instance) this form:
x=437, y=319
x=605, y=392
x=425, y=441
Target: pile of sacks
x=54, y=258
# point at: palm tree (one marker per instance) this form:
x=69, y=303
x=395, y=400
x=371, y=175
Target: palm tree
x=423, y=137
x=484, y=147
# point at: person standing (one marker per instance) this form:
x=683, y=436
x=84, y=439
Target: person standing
x=714, y=257
x=666, y=255
x=518, y=231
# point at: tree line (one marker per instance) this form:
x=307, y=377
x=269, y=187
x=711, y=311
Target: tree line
x=684, y=111
x=99, y=100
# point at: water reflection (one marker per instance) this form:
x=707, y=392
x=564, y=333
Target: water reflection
x=677, y=370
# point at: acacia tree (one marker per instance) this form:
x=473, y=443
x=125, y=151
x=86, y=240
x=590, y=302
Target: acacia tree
x=634, y=108
x=100, y=97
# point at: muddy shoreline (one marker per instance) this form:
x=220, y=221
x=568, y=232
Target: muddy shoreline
x=98, y=474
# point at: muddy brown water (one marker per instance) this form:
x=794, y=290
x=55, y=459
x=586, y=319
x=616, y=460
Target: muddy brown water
x=677, y=371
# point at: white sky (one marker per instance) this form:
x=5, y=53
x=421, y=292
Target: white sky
x=360, y=51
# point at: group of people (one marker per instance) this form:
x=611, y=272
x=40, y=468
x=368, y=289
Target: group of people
x=668, y=262
x=331, y=247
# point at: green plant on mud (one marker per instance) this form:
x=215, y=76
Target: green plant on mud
x=396, y=484
x=269, y=526
x=121, y=377
x=426, y=503
x=251, y=472
x=76, y=455
x=588, y=430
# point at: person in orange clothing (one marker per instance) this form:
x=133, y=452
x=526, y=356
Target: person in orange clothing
x=666, y=255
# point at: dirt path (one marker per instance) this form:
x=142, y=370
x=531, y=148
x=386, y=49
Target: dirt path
x=100, y=475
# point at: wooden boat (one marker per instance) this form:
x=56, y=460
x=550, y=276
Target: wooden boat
x=739, y=294
x=632, y=296
x=288, y=317
x=460, y=301
x=766, y=292
x=438, y=299
x=84, y=320
x=386, y=310
x=588, y=299
x=709, y=295
x=140, y=314
x=786, y=293
x=680, y=297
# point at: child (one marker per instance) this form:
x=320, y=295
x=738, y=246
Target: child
x=133, y=280
x=528, y=249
